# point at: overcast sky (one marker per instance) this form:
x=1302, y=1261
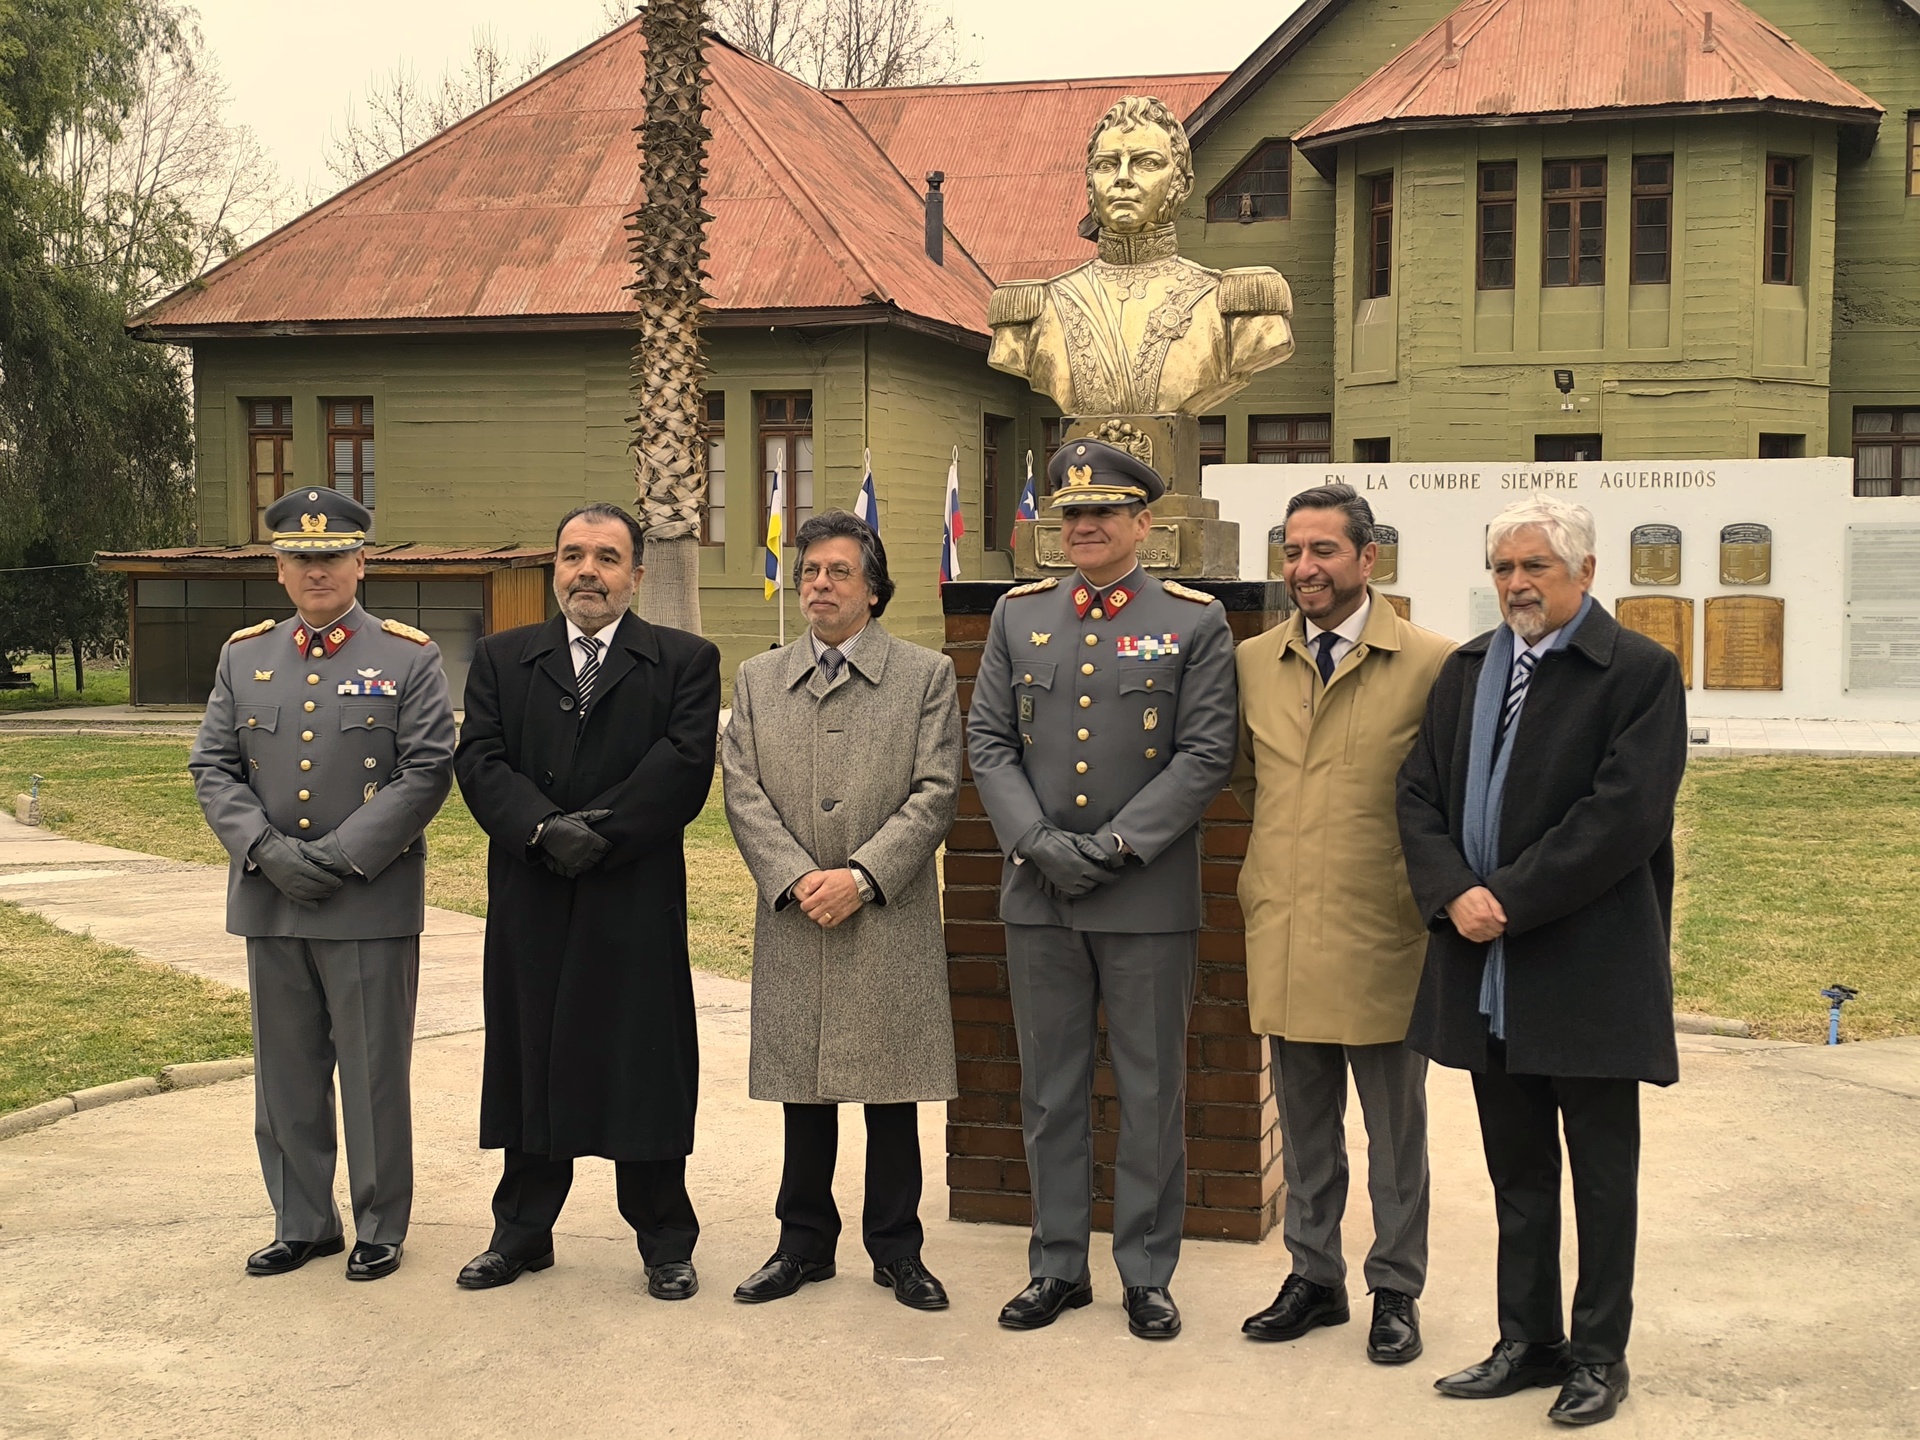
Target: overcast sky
x=292, y=69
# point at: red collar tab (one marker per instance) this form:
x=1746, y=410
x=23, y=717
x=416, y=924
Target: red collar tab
x=1083, y=596
x=312, y=644
x=1091, y=604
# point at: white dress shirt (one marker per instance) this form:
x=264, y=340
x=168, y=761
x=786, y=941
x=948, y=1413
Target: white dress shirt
x=574, y=635
x=845, y=647
x=1348, y=631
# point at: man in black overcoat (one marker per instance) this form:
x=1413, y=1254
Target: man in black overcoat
x=1536, y=811
x=587, y=749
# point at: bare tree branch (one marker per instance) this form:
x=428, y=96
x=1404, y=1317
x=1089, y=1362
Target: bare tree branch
x=847, y=44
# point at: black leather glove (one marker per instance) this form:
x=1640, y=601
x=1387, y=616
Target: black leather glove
x=1066, y=870
x=569, y=846
x=1104, y=850
x=328, y=853
x=292, y=873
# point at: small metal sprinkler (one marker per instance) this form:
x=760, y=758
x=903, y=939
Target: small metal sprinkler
x=1839, y=994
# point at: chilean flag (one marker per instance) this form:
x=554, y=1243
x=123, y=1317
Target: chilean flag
x=956, y=527
x=867, y=506
x=1029, y=507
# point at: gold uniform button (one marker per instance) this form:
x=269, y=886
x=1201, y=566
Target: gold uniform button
x=1087, y=669
x=1026, y=679
x=305, y=824
x=1081, y=767
x=1097, y=613
x=369, y=719
x=317, y=652
x=369, y=762
x=1085, y=701
x=306, y=794
x=1083, y=734
x=1093, y=639
x=309, y=707
x=1079, y=799
x=313, y=679
x=252, y=721
x=1152, y=753
x=306, y=734
x=306, y=764
x=1149, y=683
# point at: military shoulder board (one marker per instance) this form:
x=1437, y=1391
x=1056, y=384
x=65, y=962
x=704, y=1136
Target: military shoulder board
x=1199, y=597
x=248, y=632
x=1033, y=587
x=405, y=632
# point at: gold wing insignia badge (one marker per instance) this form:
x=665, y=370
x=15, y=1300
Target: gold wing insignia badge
x=1199, y=597
x=405, y=632
x=249, y=631
x=368, y=674
x=263, y=674
x=1040, y=637
x=1033, y=587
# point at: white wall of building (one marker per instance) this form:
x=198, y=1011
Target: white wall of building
x=1847, y=568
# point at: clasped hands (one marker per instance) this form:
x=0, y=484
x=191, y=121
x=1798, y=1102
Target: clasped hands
x=569, y=846
x=827, y=897
x=1478, y=915
x=305, y=871
x=1068, y=864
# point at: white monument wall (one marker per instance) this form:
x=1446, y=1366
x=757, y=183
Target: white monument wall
x=1848, y=568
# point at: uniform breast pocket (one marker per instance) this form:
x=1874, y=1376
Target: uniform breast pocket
x=1149, y=678
x=370, y=715
x=1031, y=680
x=257, y=718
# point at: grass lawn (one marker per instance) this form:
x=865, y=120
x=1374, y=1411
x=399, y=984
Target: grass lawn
x=132, y=791
x=106, y=685
x=77, y=1013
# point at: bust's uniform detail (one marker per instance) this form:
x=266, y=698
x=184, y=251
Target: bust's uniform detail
x=344, y=733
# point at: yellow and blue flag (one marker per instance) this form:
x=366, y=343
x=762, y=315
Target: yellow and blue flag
x=776, y=516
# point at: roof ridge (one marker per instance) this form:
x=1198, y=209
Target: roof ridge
x=1430, y=72
x=375, y=179
x=1069, y=82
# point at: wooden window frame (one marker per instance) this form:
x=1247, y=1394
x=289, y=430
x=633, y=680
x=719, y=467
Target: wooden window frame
x=1379, y=235
x=993, y=479
x=360, y=434
x=1643, y=195
x=279, y=435
x=1213, y=442
x=1902, y=435
x=1053, y=434
x=1373, y=450
x=1913, y=153
x=1488, y=203
x=1576, y=196
x=1232, y=203
x=713, y=428
x=1781, y=199
x=1293, y=449
x=787, y=431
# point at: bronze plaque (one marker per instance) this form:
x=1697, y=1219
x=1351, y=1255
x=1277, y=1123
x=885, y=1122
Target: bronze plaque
x=1655, y=558
x=1402, y=605
x=1159, y=551
x=1667, y=620
x=1746, y=643
x=1746, y=555
x=1386, y=568
x=1277, y=553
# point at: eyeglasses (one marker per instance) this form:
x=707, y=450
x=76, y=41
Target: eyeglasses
x=839, y=572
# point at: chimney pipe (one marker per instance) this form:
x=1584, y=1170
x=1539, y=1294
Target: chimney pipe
x=1707, y=42
x=936, y=217
x=1452, y=56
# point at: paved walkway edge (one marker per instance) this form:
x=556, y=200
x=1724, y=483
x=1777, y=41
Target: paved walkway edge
x=186, y=1076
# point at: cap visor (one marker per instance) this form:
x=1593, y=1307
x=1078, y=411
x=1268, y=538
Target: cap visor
x=1086, y=496
x=317, y=544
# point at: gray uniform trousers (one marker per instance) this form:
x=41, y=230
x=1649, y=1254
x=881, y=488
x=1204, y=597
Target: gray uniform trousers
x=317, y=1003
x=1058, y=978
x=1392, y=1081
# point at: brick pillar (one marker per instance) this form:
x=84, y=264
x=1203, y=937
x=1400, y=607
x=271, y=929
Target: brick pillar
x=1233, y=1138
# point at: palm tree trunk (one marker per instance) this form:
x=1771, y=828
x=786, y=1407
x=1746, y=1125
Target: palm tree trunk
x=669, y=250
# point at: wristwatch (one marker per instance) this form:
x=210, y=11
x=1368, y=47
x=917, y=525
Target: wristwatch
x=864, y=884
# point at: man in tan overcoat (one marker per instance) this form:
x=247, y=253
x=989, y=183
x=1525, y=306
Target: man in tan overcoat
x=842, y=768
x=1330, y=703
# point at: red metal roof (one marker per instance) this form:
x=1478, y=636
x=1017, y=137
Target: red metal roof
x=1014, y=155
x=1505, y=60
x=518, y=212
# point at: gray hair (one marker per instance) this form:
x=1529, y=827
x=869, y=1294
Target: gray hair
x=1568, y=528
x=843, y=525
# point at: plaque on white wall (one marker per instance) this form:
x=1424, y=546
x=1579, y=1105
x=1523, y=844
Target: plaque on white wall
x=1883, y=565
x=1883, y=652
x=1483, y=609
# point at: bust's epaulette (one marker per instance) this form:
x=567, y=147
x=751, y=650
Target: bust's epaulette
x=1199, y=597
x=1018, y=302
x=405, y=632
x=1033, y=587
x=248, y=632
x=1254, y=290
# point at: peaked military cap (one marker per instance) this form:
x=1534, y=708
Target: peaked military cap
x=1092, y=472
x=319, y=519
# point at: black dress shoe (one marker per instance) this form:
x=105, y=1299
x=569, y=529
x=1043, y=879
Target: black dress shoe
x=1592, y=1393
x=371, y=1261
x=1300, y=1306
x=1394, y=1336
x=780, y=1277
x=285, y=1255
x=1514, y=1365
x=672, y=1280
x=913, y=1285
x=1041, y=1302
x=490, y=1268
x=1151, y=1313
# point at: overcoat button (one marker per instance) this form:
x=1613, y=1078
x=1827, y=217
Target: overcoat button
x=828, y=804
x=566, y=702
x=549, y=779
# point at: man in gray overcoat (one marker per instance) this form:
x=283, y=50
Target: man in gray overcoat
x=842, y=764
x=326, y=748
x=1103, y=725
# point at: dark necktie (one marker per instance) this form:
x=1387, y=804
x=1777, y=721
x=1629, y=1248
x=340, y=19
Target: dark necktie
x=1516, y=695
x=831, y=661
x=589, y=670
x=1326, y=640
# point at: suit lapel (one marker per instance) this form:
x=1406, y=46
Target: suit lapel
x=633, y=640
x=547, y=650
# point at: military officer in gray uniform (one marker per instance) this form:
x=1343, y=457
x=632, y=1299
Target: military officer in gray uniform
x=327, y=747
x=1103, y=724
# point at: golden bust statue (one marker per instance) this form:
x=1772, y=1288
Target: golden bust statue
x=1138, y=330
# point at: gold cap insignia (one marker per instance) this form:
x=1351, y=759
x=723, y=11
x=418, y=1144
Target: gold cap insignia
x=313, y=524
x=1080, y=474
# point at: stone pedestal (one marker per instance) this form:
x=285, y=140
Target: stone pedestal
x=1189, y=539
x=1233, y=1141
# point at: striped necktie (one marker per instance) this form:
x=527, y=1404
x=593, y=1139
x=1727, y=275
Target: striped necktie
x=589, y=670
x=1516, y=694
x=832, y=661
